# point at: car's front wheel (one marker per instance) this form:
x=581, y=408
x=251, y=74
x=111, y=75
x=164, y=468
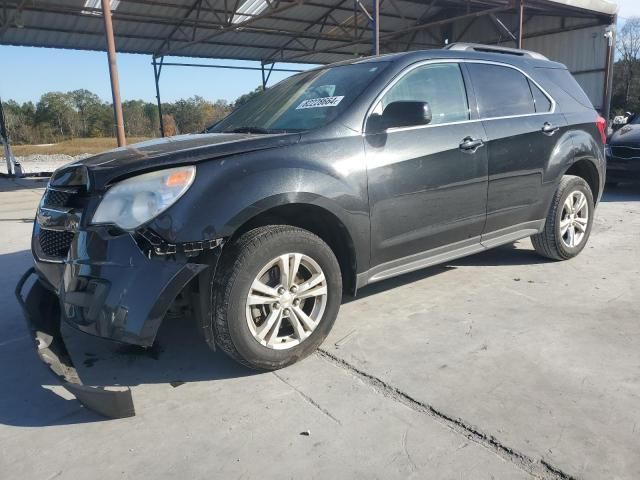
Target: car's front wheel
x=276, y=296
x=569, y=221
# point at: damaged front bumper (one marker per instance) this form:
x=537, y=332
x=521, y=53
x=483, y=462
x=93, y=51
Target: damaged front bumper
x=108, y=287
x=109, y=283
x=42, y=313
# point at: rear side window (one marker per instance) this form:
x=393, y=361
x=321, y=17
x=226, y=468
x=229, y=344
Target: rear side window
x=501, y=91
x=542, y=102
x=441, y=85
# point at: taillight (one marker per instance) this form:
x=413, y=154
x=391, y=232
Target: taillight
x=602, y=127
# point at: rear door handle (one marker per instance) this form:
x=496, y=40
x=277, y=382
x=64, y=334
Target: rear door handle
x=549, y=128
x=471, y=145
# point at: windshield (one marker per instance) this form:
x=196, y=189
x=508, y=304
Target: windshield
x=302, y=102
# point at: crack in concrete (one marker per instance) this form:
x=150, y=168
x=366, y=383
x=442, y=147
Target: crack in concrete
x=308, y=399
x=538, y=468
x=412, y=464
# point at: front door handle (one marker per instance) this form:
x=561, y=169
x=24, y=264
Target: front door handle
x=549, y=128
x=471, y=145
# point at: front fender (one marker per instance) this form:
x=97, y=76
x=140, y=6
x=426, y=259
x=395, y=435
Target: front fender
x=227, y=193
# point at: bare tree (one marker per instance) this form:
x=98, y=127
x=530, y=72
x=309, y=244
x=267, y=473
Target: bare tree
x=628, y=46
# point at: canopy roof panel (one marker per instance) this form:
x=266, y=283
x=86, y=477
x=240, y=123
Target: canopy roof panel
x=313, y=31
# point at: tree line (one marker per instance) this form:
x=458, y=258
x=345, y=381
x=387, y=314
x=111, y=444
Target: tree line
x=626, y=72
x=81, y=113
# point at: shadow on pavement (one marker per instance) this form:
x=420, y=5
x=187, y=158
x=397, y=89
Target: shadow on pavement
x=506, y=255
x=622, y=193
x=179, y=355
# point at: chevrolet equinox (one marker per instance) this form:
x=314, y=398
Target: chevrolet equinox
x=333, y=179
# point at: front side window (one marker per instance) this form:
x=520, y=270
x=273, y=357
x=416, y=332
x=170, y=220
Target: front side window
x=501, y=91
x=440, y=85
x=302, y=102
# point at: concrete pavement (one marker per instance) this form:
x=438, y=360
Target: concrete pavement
x=500, y=365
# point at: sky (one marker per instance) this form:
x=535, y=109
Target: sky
x=27, y=73
x=628, y=8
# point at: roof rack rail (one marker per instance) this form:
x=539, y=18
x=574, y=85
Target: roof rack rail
x=478, y=47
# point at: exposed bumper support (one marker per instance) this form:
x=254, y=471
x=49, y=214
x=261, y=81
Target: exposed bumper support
x=42, y=313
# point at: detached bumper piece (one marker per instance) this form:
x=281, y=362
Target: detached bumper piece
x=41, y=309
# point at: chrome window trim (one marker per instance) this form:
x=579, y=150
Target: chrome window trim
x=422, y=63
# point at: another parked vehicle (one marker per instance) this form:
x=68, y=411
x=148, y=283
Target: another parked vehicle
x=333, y=179
x=623, y=153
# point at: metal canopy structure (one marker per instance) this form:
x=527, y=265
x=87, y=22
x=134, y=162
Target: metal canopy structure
x=575, y=32
x=307, y=31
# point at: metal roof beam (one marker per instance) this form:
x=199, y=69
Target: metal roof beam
x=279, y=7
x=195, y=5
x=144, y=37
x=201, y=24
x=410, y=29
x=322, y=18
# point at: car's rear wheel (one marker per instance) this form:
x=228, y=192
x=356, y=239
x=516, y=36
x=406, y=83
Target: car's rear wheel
x=276, y=296
x=569, y=221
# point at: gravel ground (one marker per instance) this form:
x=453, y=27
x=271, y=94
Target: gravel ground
x=41, y=164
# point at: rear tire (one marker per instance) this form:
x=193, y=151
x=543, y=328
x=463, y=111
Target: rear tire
x=569, y=221
x=266, y=319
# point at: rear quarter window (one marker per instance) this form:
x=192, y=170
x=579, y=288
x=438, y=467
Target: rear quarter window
x=543, y=104
x=563, y=79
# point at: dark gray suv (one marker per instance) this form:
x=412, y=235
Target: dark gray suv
x=333, y=179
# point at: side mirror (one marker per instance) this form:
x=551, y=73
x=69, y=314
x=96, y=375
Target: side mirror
x=406, y=114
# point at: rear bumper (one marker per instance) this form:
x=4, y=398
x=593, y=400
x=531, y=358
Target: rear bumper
x=42, y=314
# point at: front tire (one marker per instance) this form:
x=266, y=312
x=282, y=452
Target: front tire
x=568, y=224
x=276, y=296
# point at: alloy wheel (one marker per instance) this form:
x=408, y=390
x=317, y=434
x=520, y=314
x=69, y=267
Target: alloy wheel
x=286, y=301
x=575, y=219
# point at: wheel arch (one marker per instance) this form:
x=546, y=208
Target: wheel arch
x=587, y=170
x=318, y=220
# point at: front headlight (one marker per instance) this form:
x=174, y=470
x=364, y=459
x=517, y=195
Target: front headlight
x=134, y=201
x=607, y=151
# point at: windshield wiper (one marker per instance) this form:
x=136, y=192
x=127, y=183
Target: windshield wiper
x=249, y=129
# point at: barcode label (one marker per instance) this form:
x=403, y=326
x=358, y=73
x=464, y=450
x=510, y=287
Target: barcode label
x=320, y=102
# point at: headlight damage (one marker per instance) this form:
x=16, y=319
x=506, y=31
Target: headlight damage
x=134, y=201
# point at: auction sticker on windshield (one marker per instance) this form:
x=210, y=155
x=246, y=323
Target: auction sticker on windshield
x=320, y=102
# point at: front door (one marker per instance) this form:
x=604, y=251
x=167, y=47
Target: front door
x=427, y=184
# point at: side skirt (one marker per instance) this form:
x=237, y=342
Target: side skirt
x=448, y=253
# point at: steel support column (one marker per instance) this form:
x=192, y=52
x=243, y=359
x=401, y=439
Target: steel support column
x=608, y=72
x=157, y=70
x=521, y=24
x=375, y=28
x=113, y=72
x=4, y=138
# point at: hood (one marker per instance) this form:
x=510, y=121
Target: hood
x=629, y=135
x=103, y=168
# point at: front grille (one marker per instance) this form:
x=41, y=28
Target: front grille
x=54, y=243
x=625, y=152
x=56, y=198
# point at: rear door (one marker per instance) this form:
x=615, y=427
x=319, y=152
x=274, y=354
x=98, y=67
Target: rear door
x=522, y=130
x=427, y=188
